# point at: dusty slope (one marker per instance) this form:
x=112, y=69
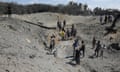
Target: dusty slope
x=110, y=61
x=22, y=49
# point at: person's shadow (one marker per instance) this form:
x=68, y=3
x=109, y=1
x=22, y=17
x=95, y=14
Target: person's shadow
x=92, y=56
x=45, y=45
x=69, y=57
x=110, y=30
x=71, y=63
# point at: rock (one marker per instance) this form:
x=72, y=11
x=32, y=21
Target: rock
x=32, y=56
x=7, y=70
x=93, y=70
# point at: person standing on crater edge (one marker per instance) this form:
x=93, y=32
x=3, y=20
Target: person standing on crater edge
x=73, y=31
x=75, y=45
x=101, y=19
x=52, y=43
x=105, y=20
x=59, y=25
x=68, y=33
x=62, y=34
x=93, y=43
x=64, y=23
x=77, y=56
x=103, y=47
x=97, y=50
x=82, y=48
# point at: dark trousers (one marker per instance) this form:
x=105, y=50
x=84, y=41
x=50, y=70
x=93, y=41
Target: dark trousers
x=83, y=51
x=74, y=52
x=51, y=48
x=77, y=61
x=96, y=53
x=77, y=57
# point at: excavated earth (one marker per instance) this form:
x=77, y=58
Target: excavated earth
x=22, y=48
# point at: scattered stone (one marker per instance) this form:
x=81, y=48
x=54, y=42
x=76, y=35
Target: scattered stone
x=93, y=70
x=7, y=70
x=32, y=56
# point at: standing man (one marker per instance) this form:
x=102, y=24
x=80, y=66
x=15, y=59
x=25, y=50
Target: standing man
x=75, y=45
x=77, y=56
x=64, y=23
x=82, y=48
x=52, y=43
x=72, y=30
x=98, y=47
x=62, y=34
x=68, y=33
x=93, y=43
x=106, y=18
x=59, y=25
x=103, y=47
x=101, y=19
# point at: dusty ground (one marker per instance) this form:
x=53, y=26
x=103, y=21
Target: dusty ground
x=22, y=49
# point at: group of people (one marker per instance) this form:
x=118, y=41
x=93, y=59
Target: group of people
x=61, y=25
x=66, y=33
x=78, y=50
x=98, y=47
x=78, y=47
x=106, y=19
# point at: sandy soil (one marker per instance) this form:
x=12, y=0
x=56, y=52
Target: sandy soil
x=22, y=49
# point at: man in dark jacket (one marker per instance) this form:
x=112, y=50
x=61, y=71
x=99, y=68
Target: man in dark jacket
x=59, y=25
x=52, y=43
x=98, y=47
x=75, y=45
x=68, y=33
x=64, y=23
x=82, y=48
x=93, y=43
x=106, y=19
